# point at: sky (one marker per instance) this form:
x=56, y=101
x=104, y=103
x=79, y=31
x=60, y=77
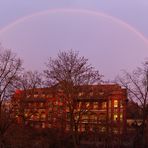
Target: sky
x=111, y=34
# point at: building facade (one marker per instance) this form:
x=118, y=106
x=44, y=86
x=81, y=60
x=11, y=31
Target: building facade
x=101, y=108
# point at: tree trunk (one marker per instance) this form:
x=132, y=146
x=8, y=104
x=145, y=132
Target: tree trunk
x=74, y=137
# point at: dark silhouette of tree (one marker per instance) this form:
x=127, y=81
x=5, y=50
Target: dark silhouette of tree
x=71, y=71
x=133, y=110
x=137, y=85
x=29, y=81
x=10, y=68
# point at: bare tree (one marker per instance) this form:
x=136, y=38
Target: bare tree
x=10, y=68
x=137, y=85
x=29, y=81
x=71, y=71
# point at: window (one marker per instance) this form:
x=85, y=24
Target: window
x=30, y=104
x=91, y=94
x=68, y=115
x=115, y=103
x=87, y=104
x=103, y=105
x=43, y=125
x=115, y=110
x=67, y=127
x=26, y=115
x=95, y=105
x=50, y=104
x=80, y=94
x=49, y=125
x=43, y=95
x=102, y=117
x=35, y=96
x=121, y=116
x=32, y=117
x=83, y=127
x=49, y=95
x=67, y=109
x=36, y=116
x=80, y=104
x=93, y=117
x=43, y=116
x=85, y=117
x=34, y=104
x=56, y=103
x=121, y=103
x=115, y=117
x=41, y=104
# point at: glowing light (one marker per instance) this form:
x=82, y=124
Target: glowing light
x=115, y=103
x=115, y=117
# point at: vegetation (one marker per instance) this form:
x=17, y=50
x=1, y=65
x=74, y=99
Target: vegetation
x=137, y=85
x=71, y=71
x=10, y=68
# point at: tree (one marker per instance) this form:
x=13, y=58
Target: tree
x=72, y=73
x=133, y=110
x=10, y=68
x=29, y=81
x=137, y=85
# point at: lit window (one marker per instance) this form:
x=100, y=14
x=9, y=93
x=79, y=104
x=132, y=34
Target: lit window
x=91, y=94
x=103, y=105
x=95, y=105
x=43, y=95
x=56, y=102
x=121, y=117
x=32, y=117
x=115, y=117
x=80, y=104
x=115, y=103
x=43, y=125
x=41, y=104
x=35, y=96
x=26, y=114
x=87, y=104
x=43, y=116
x=81, y=94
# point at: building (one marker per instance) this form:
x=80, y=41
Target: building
x=101, y=108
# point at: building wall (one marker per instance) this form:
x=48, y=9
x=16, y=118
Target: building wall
x=103, y=110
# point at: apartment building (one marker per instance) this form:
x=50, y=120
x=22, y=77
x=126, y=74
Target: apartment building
x=101, y=108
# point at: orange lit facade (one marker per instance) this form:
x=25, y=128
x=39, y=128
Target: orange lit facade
x=103, y=109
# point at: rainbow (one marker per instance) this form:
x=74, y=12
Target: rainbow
x=89, y=12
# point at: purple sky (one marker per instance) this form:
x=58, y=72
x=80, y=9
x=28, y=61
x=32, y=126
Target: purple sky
x=109, y=45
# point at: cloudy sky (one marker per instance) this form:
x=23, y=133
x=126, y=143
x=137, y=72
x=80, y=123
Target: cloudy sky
x=111, y=34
